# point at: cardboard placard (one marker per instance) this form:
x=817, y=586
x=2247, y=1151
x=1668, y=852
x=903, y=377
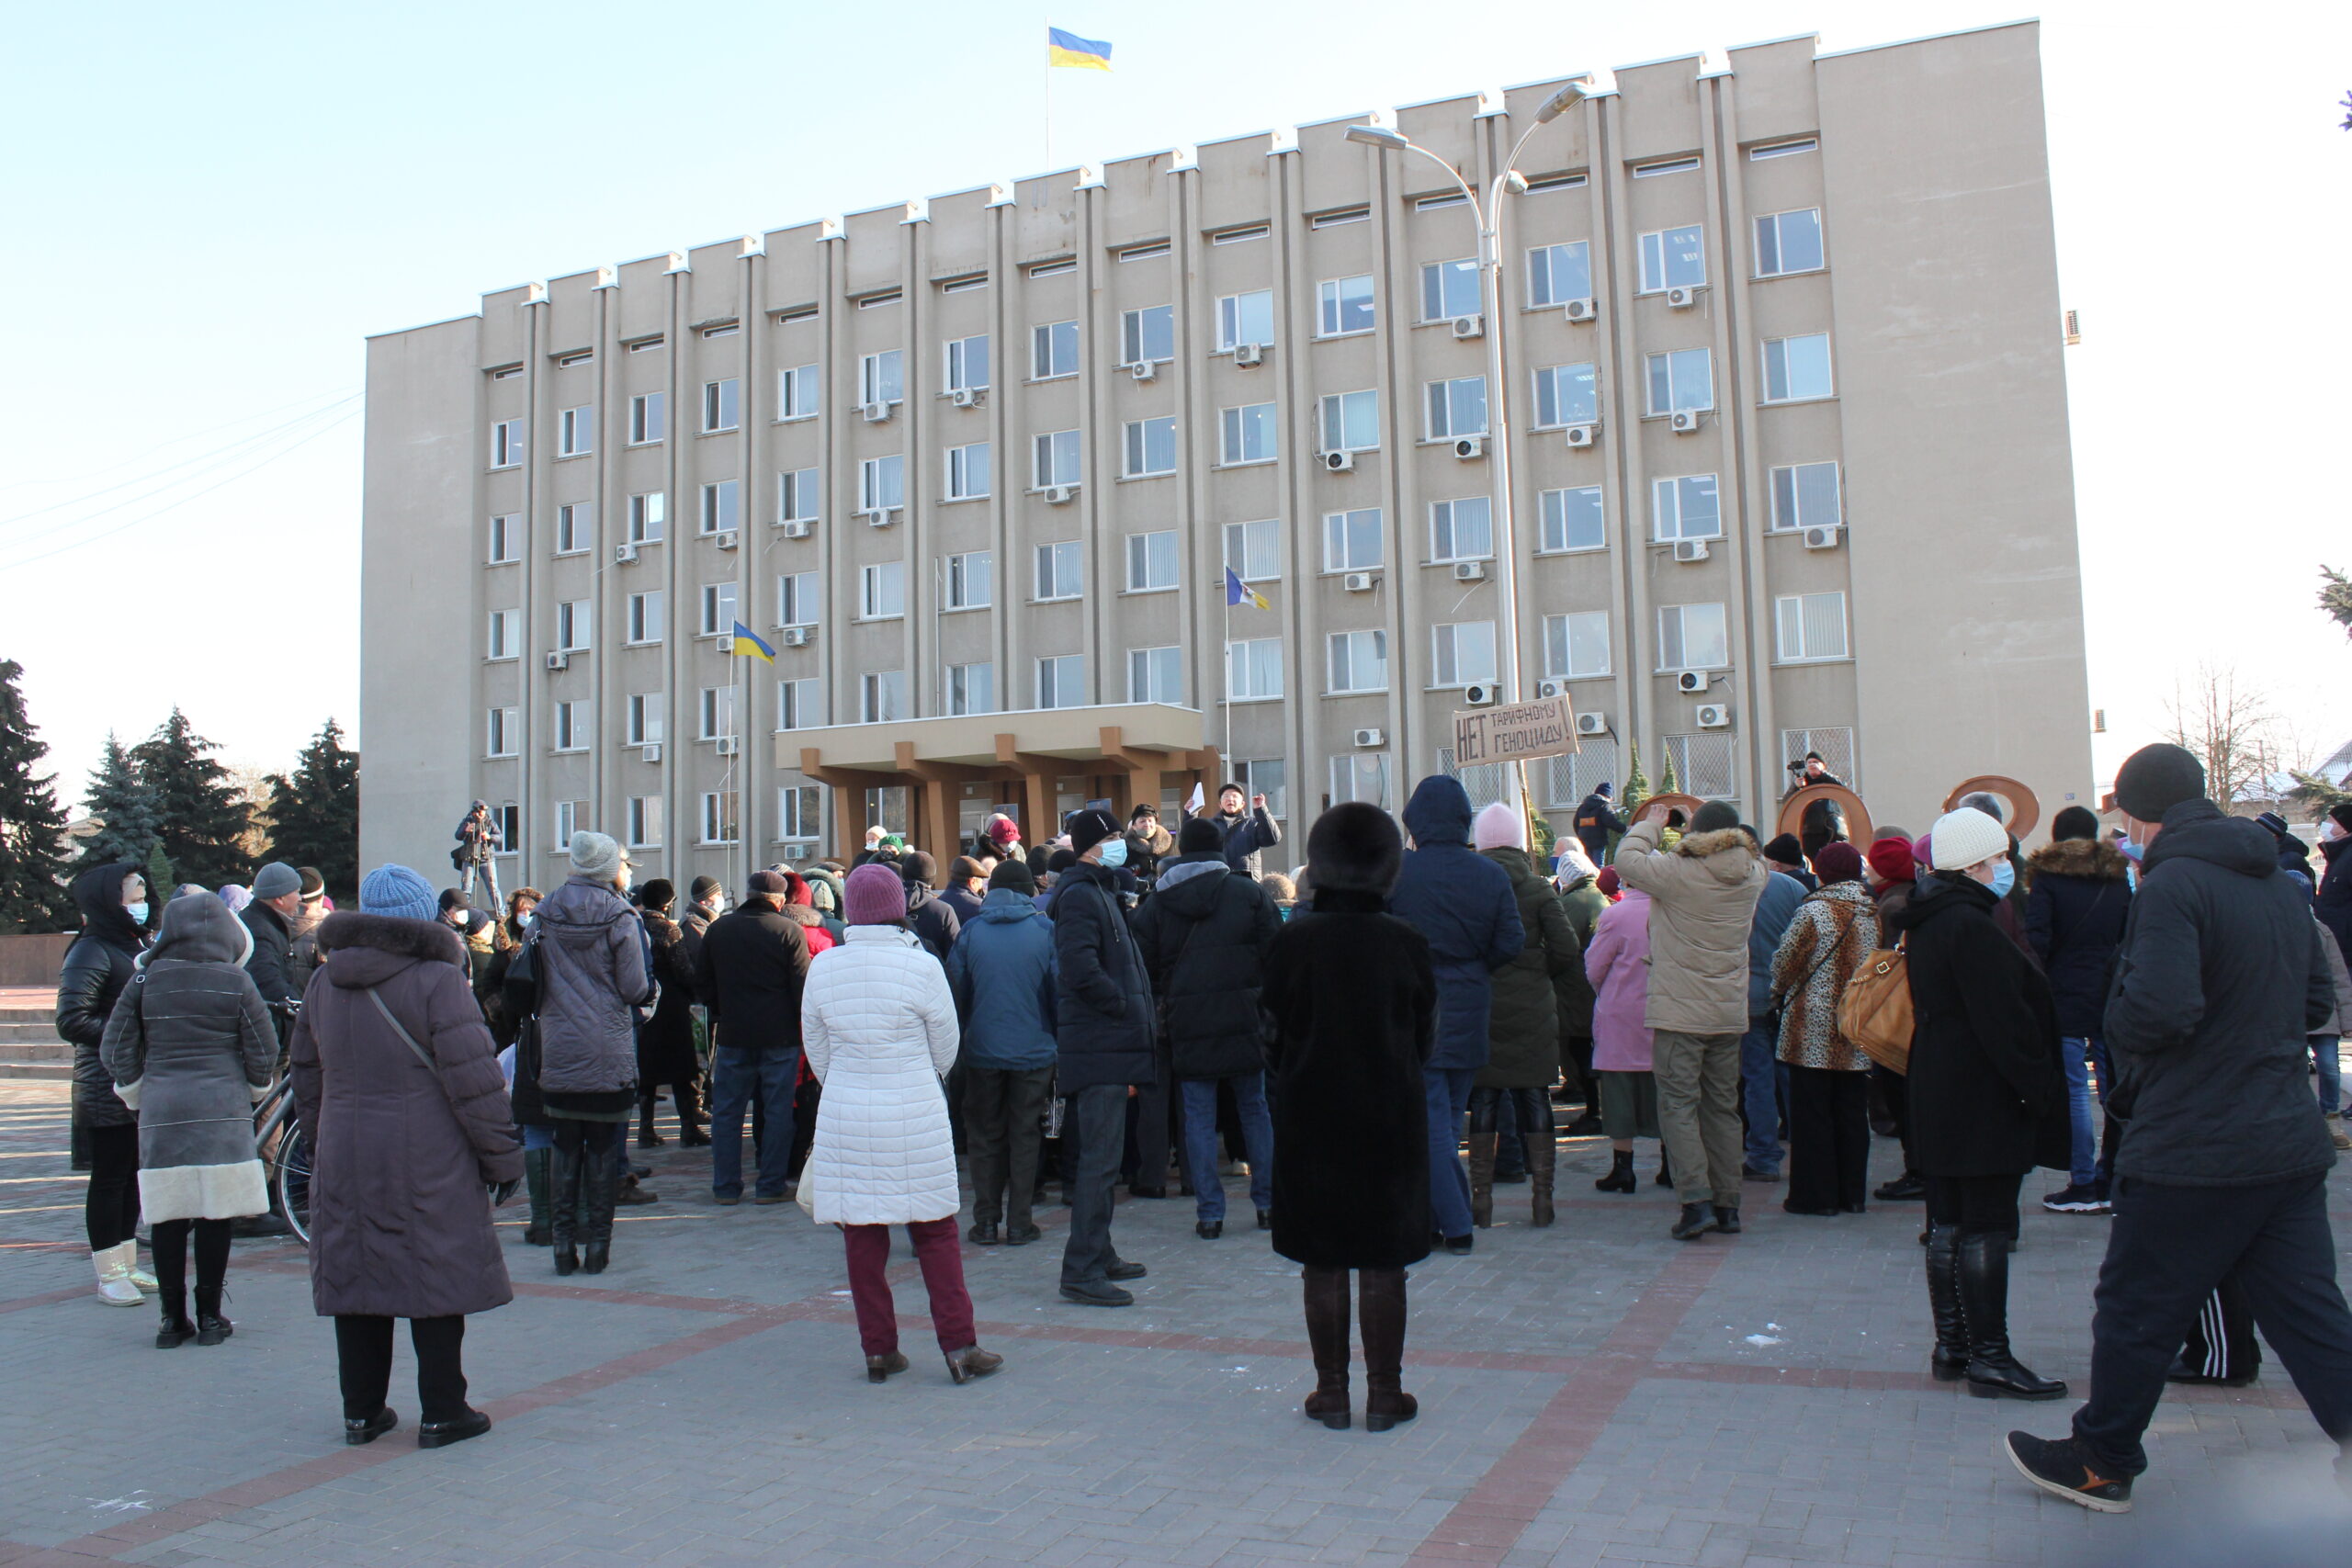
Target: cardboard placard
x=1518, y=732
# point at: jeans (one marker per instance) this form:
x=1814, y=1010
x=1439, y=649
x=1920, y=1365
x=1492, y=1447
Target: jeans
x=489, y=870
x=1762, y=1094
x=941, y=1259
x=2328, y=1053
x=1199, y=1142
x=363, y=1358
x=1098, y=1116
x=736, y=1074
x=1698, y=1111
x=1448, y=1091
x=2083, y=1055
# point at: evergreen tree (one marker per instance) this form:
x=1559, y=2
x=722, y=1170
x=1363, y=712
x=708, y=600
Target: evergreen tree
x=2335, y=597
x=1637, y=784
x=32, y=825
x=160, y=884
x=201, y=816
x=316, y=813
x=126, y=812
x=1666, y=783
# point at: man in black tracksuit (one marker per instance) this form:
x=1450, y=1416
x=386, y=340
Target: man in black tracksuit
x=1597, y=824
x=2222, y=1168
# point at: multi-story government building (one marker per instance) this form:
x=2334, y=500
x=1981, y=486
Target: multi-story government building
x=1787, y=438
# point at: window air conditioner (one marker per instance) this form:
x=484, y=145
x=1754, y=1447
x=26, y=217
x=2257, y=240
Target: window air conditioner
x=1470, y=447
x=1468, y=327
x=624, y=553
x=1058, y=495
x=1581, y=310
x=1340, y=462
x=1714, y=715
x=1581, y=437
x=558, y=661
x=881, y=516
x=876, y=413
x=1689, y=680
x=1469, y=571
x=726, y=746
x=1550, y=688
x=1369, y=737
x=798, y=637
x=725, y=538
x=1681, y=298
x=797, y=527
x=1685, y=422
x=1821, y=538
x=651, y=750
x=1478, y=695
x=969, y=397
x=1143, y=370
x=1690, y=549
x=1247, y=355
x=1357, y=582
x=1592, y=724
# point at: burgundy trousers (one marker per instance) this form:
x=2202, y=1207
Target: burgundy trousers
x=942, y=1258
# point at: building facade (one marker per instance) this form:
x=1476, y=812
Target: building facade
x=1790, y=472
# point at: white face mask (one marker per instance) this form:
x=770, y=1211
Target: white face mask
x=2330, y=831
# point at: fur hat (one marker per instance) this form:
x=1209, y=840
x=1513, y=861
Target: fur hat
x=1839, y=861
x=1198, y=835
x=397, y=891
x=1497, y=827
x=1715, y=816
x=2078, y=822
x=1967, y=837
x=659, y=894
x=1355, y=848
x=2157, y=778
x=594, y=855
x=275, y=880
x=875, y=896
x=1014, y=875
x=1087, y=829
x=1891, y=858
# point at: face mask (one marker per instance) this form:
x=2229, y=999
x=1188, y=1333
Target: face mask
x=2131, y=850
x=138, y=912
x=2330, y=831
x=524, y=919
x=1115, y=853
x=2004, y=876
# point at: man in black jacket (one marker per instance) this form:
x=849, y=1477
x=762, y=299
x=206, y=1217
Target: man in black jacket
x=934, y=924
x=1104, y=1030
x=2221, y=1167
x=276, y=903
x=2073, y=921
x=753, y=962
x=1242, y=836
x=1597, y=824
x=2333, y=905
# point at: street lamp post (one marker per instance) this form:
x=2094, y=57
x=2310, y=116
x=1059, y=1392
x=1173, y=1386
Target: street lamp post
x=1489, y=212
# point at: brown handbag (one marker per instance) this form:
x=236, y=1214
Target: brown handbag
x=1874, y=1011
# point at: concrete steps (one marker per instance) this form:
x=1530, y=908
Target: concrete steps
x=29, y=1047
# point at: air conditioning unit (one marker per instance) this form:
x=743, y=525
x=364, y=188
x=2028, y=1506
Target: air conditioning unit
x=1468, y=327
x=797, y=527
x=799, y=636
x=1581, y=310
x=1247, y=355
x=1690, y=549
x=1581, y=437
x=1592, y=724
x=725, y=538
x=968, y=397
x=726, y=746
x=880, y=518
x=1469, y=571
x=1357, y=582
x=1144, y=370
x=1370, y=737
x=1060, y=495
x=1681, y=298
x=1689, y=680
x=876, y=413
x=558, y=661
x=1550, y=688
x=1685, y=422
x=1714, y=715
x=1824, y=537
x=624, y=555
x=1478, y=695
x=1470, y=447
x=650, y=751
x=1340, y=462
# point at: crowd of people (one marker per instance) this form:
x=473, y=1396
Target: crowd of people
x=1380, y=1043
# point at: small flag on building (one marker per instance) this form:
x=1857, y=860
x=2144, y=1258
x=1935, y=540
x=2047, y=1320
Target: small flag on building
x=1069, y=48
x=1239, y=592
x=742, y=642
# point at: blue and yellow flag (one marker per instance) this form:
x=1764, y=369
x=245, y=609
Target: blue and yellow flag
x=1239, y=592
x=742, y=642
x=1069, y=48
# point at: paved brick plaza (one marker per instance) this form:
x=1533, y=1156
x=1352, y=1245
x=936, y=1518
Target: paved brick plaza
x=1590, y=1394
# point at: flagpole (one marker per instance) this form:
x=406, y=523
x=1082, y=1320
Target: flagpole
x=1049, y=96
x=1226, y=649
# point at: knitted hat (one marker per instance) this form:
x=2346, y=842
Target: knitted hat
x=1604, y=789
x=702, y=887
x=1087, y=829
x=1496, y=828
x=1608, y=882
x=1198, y=835
x=1839, y=861
x=1013, y=875
x=1785, y=851
x=659, y=894
x=396, y=891
x=1891, y=858
x=920, y=867
x=275, y=880
x=452, y=898
x=1965, y=837
x=2077, y=822
x=2340, y=815
x=313, y=885
x=2157, y=778
x=237, y=897
x=1715, y=816
x=594, y=855
x=874, y=896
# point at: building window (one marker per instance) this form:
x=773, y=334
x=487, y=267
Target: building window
x=1249, y=434
x=1458, y=408
x=645, y=713
x=1058, y=570
x=1053, y=351
x=797, y=705
x=1692, y=636
x=1685, y=508
x=1361, y=775
x=571, y=730
x=796, y=496
x=1787, y=241
x=1812, y=626
x=648, y=515
x=1352, y=539
x=1245, y=319
x=1674, y=258
x=645, y=345
x=1057, y=461
x=798, y=391
x=1343, y=215
x=799, y=600
x=1359, y=661
x=645, y=821
x=1705, y=764
x=507, y=443
x=505, y=731
x=1836, y=745
x=1253, y=550
x=724, y=329
x=881, y=378
x=1148, y=336
x=1572, y=519
x=717, y=711
x=575, y=431
x=569, y=817
x=1151, y=561
x=1351, y=422
x=1684, y=379
x=508, y=820
x=572, y=530
x=1463, y=653
x=882, y=696
x=882, y=591
x=505, y=538
x=718, y=816
x=1576, y=647
x=721, y=405
x=971, y=688
x=1462, y=530
x=882, y=483
x=799, y=813
x=1557, y=274
x=1450, y=288
x=1253, y=668
x=722, y=507
x=571, y=618
x=1156, y=675
x=505, y=634
x=717, y=609
x=1151, y=447
x=1269, y=777
x=1236, y=236
x=648, y=418
x=1061, y=681
x=967, y=364
x=645, y=616
x=966, y=581
x=1144, y=253
x=1345, y=306
x=1804, y=496
x=968, y=471
x=1566, y=394
x=1782, y=149
x=1796, y=368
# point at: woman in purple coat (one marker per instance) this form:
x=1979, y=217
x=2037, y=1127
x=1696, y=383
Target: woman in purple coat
x=1618, y=963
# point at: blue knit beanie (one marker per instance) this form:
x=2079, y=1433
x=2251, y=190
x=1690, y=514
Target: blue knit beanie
x=397, y=891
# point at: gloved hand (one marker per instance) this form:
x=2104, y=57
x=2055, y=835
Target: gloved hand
x=500, y=1191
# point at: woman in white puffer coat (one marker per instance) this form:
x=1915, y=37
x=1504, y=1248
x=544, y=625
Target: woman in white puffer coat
x=878, y=1024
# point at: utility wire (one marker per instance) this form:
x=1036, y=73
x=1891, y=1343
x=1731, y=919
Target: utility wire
x=174, y=441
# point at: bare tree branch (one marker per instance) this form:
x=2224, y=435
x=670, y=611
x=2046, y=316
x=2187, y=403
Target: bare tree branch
x=2230, y=728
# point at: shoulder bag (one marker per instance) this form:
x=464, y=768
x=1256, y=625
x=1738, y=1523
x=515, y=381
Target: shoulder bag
x=499, y=1190
x=1875, y=1011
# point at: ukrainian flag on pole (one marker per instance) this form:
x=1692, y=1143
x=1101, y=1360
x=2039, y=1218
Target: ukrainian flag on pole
x=1069, y=48
x=742, y=642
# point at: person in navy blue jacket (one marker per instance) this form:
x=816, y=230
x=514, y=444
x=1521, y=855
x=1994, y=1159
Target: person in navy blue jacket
x=1002, y=970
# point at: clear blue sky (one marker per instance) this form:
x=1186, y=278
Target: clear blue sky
x=208, y=209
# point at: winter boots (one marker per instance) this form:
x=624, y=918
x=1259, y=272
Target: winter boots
x=534, y=1181
x=1482, y=1180
x=600, y=1181
x=1949, y=1362
x=1542, y=1161
x=563, y=1179
x=1380, y=1306
x=1993, y=1373
x=1326, y=1337
x=115, y=1286
x=1621, y=1173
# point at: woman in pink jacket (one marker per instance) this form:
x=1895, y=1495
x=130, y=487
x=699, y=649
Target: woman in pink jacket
x=1617, y=962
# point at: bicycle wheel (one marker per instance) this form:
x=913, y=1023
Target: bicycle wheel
x=290, y=1180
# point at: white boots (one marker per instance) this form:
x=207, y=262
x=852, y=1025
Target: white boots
x=120, y=1281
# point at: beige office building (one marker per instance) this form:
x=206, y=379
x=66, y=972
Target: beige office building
x=1790, y=470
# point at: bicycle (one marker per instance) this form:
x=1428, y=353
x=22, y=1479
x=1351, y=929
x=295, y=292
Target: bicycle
x=278, y=1137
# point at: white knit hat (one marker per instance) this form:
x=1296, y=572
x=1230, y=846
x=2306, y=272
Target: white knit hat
x=1965, y=837
x=1496, y=827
